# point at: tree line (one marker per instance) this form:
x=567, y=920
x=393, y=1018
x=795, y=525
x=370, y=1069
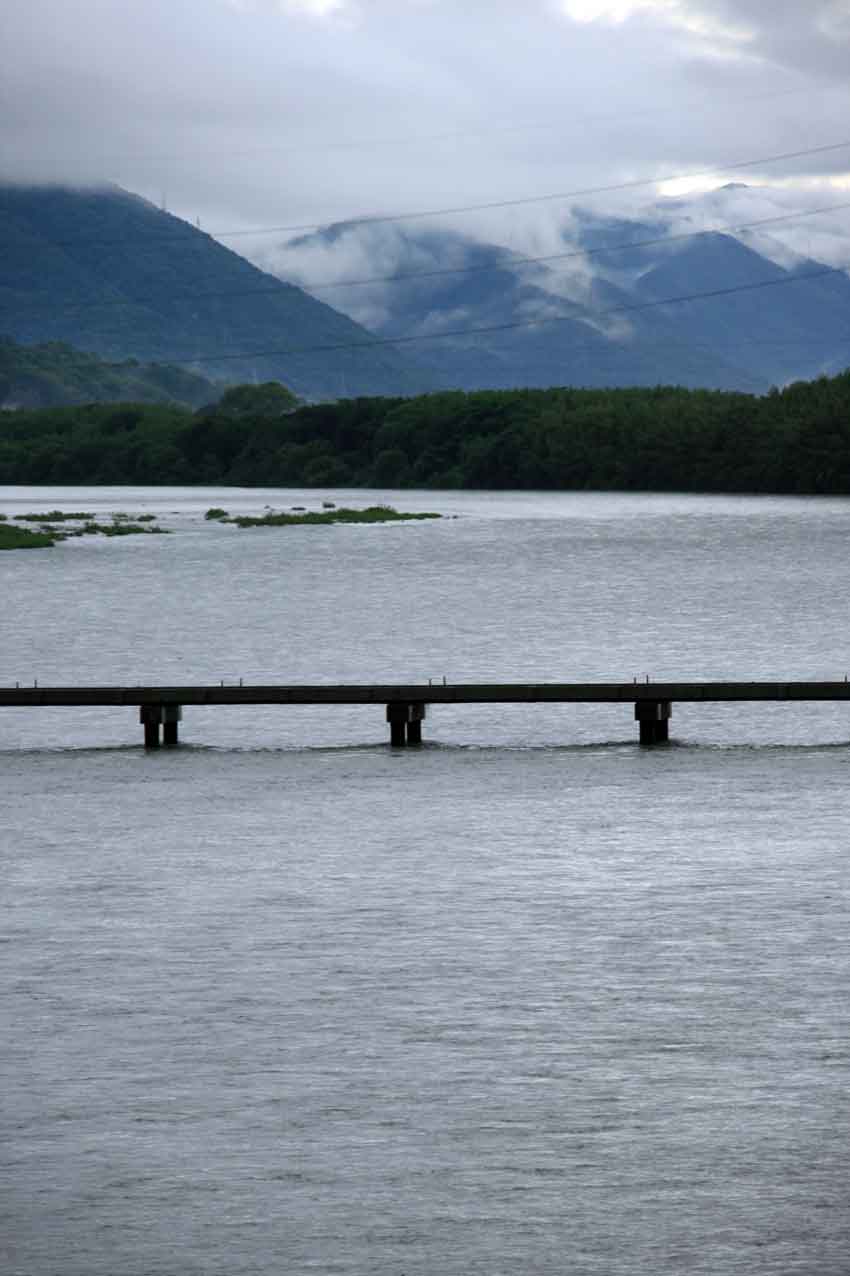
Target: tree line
x=795, y=440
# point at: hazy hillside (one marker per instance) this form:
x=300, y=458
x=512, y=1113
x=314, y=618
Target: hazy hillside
x=107, y=272
x=597, y=297
x=53, y=374
x=781, y=331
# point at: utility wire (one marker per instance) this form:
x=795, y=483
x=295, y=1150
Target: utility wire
x=605, y=353
x=380, y=342
x=507, y=264
x=576, y=252
x=379, y=218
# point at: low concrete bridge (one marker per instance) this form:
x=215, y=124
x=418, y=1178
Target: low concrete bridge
x=406, y=706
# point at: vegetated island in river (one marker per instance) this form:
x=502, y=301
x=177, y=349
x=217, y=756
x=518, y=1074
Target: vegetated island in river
x=372, y=514
x=15, y=537
x=120, y=524
x=794, y=440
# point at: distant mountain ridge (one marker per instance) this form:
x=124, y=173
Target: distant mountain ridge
x=109, y=273
x=597, y=313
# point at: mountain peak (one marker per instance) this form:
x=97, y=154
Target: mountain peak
x=108, y=272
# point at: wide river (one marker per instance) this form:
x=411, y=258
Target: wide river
x=528, y=1000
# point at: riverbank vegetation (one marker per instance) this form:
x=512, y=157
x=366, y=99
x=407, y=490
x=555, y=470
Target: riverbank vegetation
x=795, y=440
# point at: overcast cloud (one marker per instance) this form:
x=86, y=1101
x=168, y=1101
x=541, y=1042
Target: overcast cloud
x=256, y=113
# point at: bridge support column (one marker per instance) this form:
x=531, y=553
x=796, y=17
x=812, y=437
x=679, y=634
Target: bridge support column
x=172, y=714
x=405, y=721
x=414, y=724
x=150, y=716
x=654, y=718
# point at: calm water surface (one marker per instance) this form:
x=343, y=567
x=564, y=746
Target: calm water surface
x=529, y=1000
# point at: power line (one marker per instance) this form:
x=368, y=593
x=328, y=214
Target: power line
x=577, y=252
x=187, y=231
x=454, y=270
x=379, y=342
x=534, y=323
x=379, y=218
x=604, y=353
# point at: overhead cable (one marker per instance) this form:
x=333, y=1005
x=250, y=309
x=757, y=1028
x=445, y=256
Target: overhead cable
x=382, y=218
x=488, y=329
x=507, y=264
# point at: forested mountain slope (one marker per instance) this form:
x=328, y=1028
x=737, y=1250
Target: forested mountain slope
x=109, y=273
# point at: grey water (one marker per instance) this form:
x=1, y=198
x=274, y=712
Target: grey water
x=527, y=1000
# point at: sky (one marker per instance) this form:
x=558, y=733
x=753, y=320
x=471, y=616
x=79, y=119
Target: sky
x=248, y=115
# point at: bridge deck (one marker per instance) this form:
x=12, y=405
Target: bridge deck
x=417, y=693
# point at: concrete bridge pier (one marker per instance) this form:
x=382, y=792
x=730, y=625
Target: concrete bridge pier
x=150, y=716
x=654, y=718
x=405, y=721
x=172, y=714
x=168, y=716
x=414, y=723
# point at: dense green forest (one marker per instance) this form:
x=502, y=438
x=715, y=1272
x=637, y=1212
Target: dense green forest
x=55, y=373
x=663, y=439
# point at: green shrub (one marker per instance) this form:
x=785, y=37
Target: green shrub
x=122, y=528
x=22, y=538
x=53, y=516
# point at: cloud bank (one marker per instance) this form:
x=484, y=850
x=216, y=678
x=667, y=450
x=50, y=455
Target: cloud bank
x=253, y=113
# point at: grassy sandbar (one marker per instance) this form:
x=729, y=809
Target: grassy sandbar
x=23, y=538
x=372, y=514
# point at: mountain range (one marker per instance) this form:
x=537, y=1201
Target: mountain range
x=612, y=301
x=596, y=310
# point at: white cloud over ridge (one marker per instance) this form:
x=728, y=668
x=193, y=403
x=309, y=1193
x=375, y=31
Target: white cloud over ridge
x=285, y=112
